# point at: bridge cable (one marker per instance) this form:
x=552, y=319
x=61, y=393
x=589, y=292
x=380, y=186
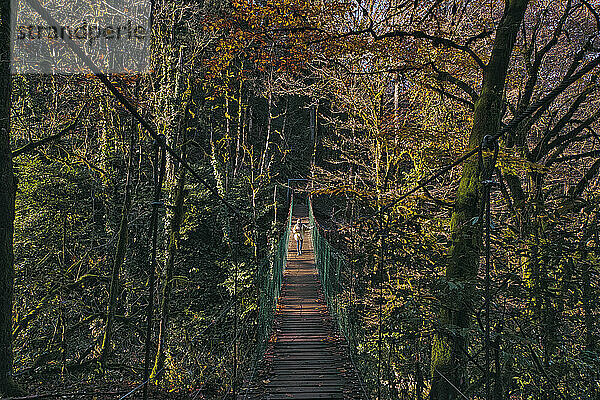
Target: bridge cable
x=324, y=253
x=488, y=143
x=529, y=111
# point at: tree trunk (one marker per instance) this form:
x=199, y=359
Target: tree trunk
x=119, y=258
x=448, y=358
x=263, y=159
x=7, y=207
x=159, y=174
x=240, y=127
x=227, y=153
x=174, y=236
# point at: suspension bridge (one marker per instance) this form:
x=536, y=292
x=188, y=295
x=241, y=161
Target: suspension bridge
x=306, y=355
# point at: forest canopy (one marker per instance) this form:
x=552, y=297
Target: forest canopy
x=450, y=153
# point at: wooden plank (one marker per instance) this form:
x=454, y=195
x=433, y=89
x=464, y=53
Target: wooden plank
x=288, y=396
x=305, y=358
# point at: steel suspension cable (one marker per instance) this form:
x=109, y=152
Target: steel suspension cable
x=330, y=264
x=488, y=143
x=487, y=290
x=518, y=119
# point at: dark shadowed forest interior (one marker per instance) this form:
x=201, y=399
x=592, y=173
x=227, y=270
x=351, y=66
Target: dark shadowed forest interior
x=443, y=157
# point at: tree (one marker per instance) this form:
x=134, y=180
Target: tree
x=7, y=205
x=450, y=347
x=480, y=80
x=120, y=253
x=173, y=243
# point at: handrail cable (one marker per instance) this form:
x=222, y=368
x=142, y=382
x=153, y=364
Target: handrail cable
x=329, y=264
x=566, y=82
x=273, y=267
x=352, y=283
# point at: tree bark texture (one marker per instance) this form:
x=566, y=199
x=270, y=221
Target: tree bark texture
x=119, y=257
x=448, y=366
x=7, y=208
x=174, y=236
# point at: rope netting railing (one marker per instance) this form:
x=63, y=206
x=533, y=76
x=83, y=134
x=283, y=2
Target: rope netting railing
x=334, y=269
x=270, y=277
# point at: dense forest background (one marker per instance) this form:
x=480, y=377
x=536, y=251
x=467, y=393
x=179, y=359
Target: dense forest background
x=367, y=100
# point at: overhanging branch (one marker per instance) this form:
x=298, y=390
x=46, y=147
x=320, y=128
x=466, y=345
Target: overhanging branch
x=33, y=145
x=35, y=4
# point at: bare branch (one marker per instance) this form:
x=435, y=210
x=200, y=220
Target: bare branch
x=447, y=77
x=433, y=39
x=592, y=153
x=593, y=11
x=459, y=99
x=577, y=190
x=33, y=145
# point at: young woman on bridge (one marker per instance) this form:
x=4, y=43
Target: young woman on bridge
x=298, y=232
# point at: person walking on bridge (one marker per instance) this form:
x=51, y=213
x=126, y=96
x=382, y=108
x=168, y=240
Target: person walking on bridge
x=298, y=232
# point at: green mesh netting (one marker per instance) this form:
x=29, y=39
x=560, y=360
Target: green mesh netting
x=270, y=277
x=269, y=281
x=333, y=270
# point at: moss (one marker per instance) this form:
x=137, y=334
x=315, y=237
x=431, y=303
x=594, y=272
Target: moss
x=440, y=353
x=466, y=237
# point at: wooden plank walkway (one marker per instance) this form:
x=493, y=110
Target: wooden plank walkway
x=305, y=358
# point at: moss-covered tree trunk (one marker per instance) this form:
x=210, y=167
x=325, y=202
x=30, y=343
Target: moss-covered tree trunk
x=7, y=209
x=448, y=358
x=241, y=116
x=119, y=258
x=265, y=154
x=174, y=236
